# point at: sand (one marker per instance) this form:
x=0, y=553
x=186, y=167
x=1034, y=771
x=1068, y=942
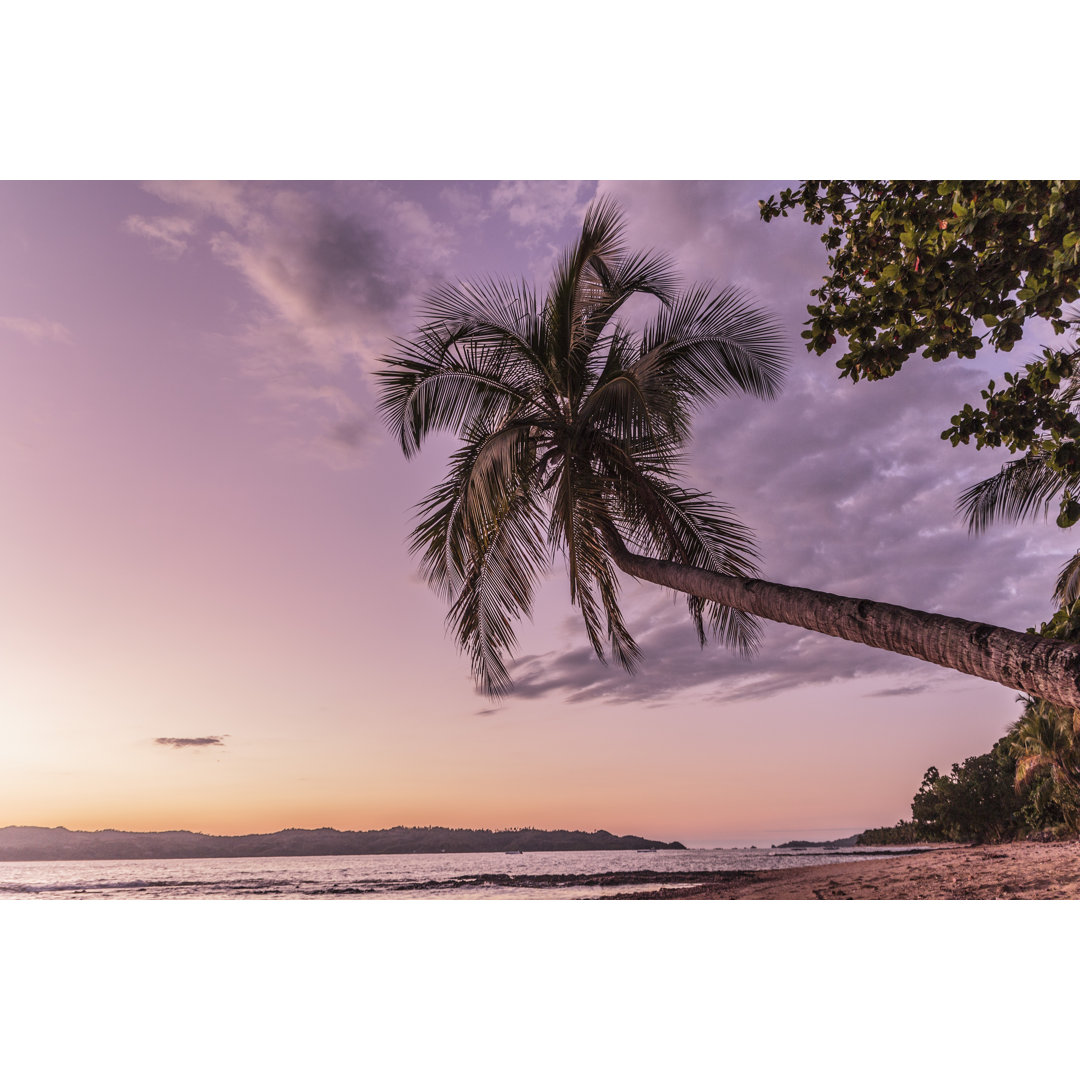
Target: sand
x=1018, y=871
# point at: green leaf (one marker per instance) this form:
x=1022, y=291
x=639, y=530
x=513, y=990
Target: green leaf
x=1070, y=514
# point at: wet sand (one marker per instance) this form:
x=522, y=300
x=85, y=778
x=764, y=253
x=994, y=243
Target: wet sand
x=1018, y=871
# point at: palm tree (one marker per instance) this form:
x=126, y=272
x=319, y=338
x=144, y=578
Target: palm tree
x=1043, y=740
x=572, y=430
x=1044, y=736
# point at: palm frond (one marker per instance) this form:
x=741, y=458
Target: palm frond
x=497, y=591
x=577, y=288
x=630, y=405
x=1043, y=739
x=577, y=510
x=500, y=545
x=605, y=286
x=716, y=345
x=592, y=282
x=650, y=272
x=1026, y=766
x=429, y=385
x=601, y=571
x=488, y=310
x=666, y=521
x=604, y=619
x=486, y=473
x=694, y=529
x=1067, y=586
x=1019, y=490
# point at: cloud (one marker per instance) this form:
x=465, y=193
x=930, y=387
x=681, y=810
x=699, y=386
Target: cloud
x=36, y=330
x=184, y=744
x=224, y=199
x=344, y=444
x=468, y=206
x=850, y=489
x=351, y=432
x=332, y=270
x=542, y=206
x=900, y=691
x=674, y=665
x=332, y=263
x=168, y=236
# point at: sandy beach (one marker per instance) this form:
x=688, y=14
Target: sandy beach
x=1018, y=871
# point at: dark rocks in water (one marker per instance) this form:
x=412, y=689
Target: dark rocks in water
x=605, y=879
x=32, y=843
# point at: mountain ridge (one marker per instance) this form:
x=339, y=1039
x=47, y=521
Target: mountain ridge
x=35, y=843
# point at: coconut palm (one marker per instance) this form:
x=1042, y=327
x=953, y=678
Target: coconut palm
x=572, y=431
x=1044, y=743
x=1044, y=736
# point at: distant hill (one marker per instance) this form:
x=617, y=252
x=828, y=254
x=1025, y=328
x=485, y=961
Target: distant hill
x=847, y=841
x=29, y=842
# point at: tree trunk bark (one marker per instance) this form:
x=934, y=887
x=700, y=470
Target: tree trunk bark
x=1042, y=667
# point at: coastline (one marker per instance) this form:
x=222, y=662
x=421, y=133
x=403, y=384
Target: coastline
x=1021, y=870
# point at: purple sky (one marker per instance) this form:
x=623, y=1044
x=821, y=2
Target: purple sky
x=210, y=617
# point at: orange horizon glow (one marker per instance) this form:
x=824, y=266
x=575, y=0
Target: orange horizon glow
x=206, y=537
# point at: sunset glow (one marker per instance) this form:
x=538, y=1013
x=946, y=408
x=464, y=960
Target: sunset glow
x=205, y=536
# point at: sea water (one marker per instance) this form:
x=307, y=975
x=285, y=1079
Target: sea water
x=512, y=875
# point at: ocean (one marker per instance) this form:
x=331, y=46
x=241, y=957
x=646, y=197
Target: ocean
x=547, y=875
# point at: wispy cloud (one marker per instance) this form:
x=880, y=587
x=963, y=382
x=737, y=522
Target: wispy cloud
x=332, y=263
x=352, y=431
x=332, y=269
x=901, y=691
x=675, y=666
x=542, y=206
x=36, y=330
x=168, y=236
x=188, y=743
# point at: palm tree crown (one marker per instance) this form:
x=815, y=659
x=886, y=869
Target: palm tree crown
x=573, y=427
x=1044, y=735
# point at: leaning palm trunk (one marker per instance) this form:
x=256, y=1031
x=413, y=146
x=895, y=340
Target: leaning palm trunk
x=1040, y=666
x=573, y=428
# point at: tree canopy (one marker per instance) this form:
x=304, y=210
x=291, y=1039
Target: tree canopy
x=944, y=268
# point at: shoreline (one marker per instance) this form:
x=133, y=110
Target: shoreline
x=1020, y=870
